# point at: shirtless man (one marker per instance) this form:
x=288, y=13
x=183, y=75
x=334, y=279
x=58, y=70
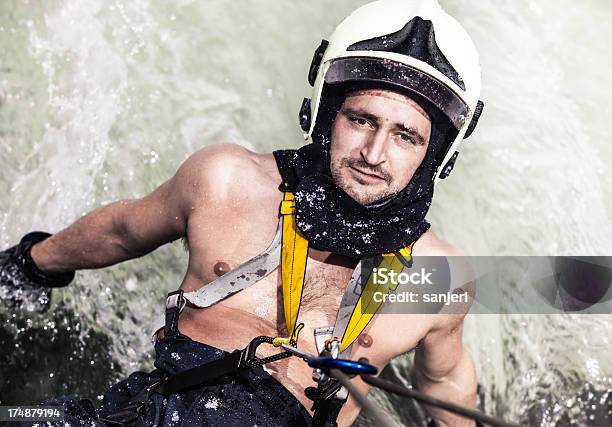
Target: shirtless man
x=375, y=142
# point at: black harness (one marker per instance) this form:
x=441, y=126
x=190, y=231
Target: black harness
x=234, y=365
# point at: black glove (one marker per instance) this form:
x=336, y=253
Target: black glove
x=22, y=283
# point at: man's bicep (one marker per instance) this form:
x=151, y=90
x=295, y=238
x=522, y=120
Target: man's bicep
x=157, y=216
x=441, y=349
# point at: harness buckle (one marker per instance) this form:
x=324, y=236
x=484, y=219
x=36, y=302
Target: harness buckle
x=332, y=346
x=287, y=207
x=127, y=415
x=175, y=303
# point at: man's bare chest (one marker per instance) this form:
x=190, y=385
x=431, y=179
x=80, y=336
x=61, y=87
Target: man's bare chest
x=224, y=242
x=324, y=285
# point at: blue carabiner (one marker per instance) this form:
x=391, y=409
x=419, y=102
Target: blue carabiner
x=347, y=366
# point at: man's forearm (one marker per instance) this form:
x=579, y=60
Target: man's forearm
x=458, y=386
x=94, y=241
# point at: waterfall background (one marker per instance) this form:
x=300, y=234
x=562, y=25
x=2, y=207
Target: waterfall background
x=102, y=100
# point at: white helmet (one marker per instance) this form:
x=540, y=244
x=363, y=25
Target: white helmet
x=408, y=44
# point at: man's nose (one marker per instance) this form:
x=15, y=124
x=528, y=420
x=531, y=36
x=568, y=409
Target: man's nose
x=375, y=148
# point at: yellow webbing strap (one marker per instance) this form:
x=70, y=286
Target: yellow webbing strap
x=294, y=254
x=366, y=306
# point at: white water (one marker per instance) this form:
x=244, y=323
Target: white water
x=102, y=100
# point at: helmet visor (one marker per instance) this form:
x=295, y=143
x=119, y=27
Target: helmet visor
x=368, y=69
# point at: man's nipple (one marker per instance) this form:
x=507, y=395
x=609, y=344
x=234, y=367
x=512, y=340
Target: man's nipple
x=365, y=340
x=221, y=268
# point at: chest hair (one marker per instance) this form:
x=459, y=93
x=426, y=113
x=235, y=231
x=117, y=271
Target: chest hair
x=324, y=287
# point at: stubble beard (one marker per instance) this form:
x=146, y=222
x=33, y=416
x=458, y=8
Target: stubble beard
x=363, y=195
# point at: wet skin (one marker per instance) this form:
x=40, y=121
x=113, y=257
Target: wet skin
x=224, y=200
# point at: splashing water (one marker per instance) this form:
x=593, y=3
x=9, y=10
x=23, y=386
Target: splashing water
x=102, y=100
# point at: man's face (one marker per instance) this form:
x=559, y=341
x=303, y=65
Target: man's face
x=378, y=140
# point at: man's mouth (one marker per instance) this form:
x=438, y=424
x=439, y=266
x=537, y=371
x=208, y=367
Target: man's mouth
x=367, y=174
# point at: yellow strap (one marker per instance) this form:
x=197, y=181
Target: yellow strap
x=366, y=306
x=294, y=255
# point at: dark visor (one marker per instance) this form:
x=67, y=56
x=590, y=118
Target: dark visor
x=353, y=69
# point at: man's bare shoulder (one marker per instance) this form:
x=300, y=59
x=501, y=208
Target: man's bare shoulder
x=223, y=171
x=431, y=245
x=451, y=317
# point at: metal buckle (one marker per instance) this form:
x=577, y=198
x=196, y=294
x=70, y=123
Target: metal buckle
x=175, y=299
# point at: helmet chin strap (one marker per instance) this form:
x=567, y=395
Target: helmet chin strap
x=381, y=203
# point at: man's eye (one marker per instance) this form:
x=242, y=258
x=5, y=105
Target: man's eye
x=359, y=121
x=407, y=138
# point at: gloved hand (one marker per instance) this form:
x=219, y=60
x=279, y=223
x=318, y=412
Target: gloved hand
x=22, y=283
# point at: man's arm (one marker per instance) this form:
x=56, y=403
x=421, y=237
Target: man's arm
x=124, y=229
x=444, y=369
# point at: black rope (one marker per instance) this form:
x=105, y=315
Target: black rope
x=256, y=363
x=432, y=401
